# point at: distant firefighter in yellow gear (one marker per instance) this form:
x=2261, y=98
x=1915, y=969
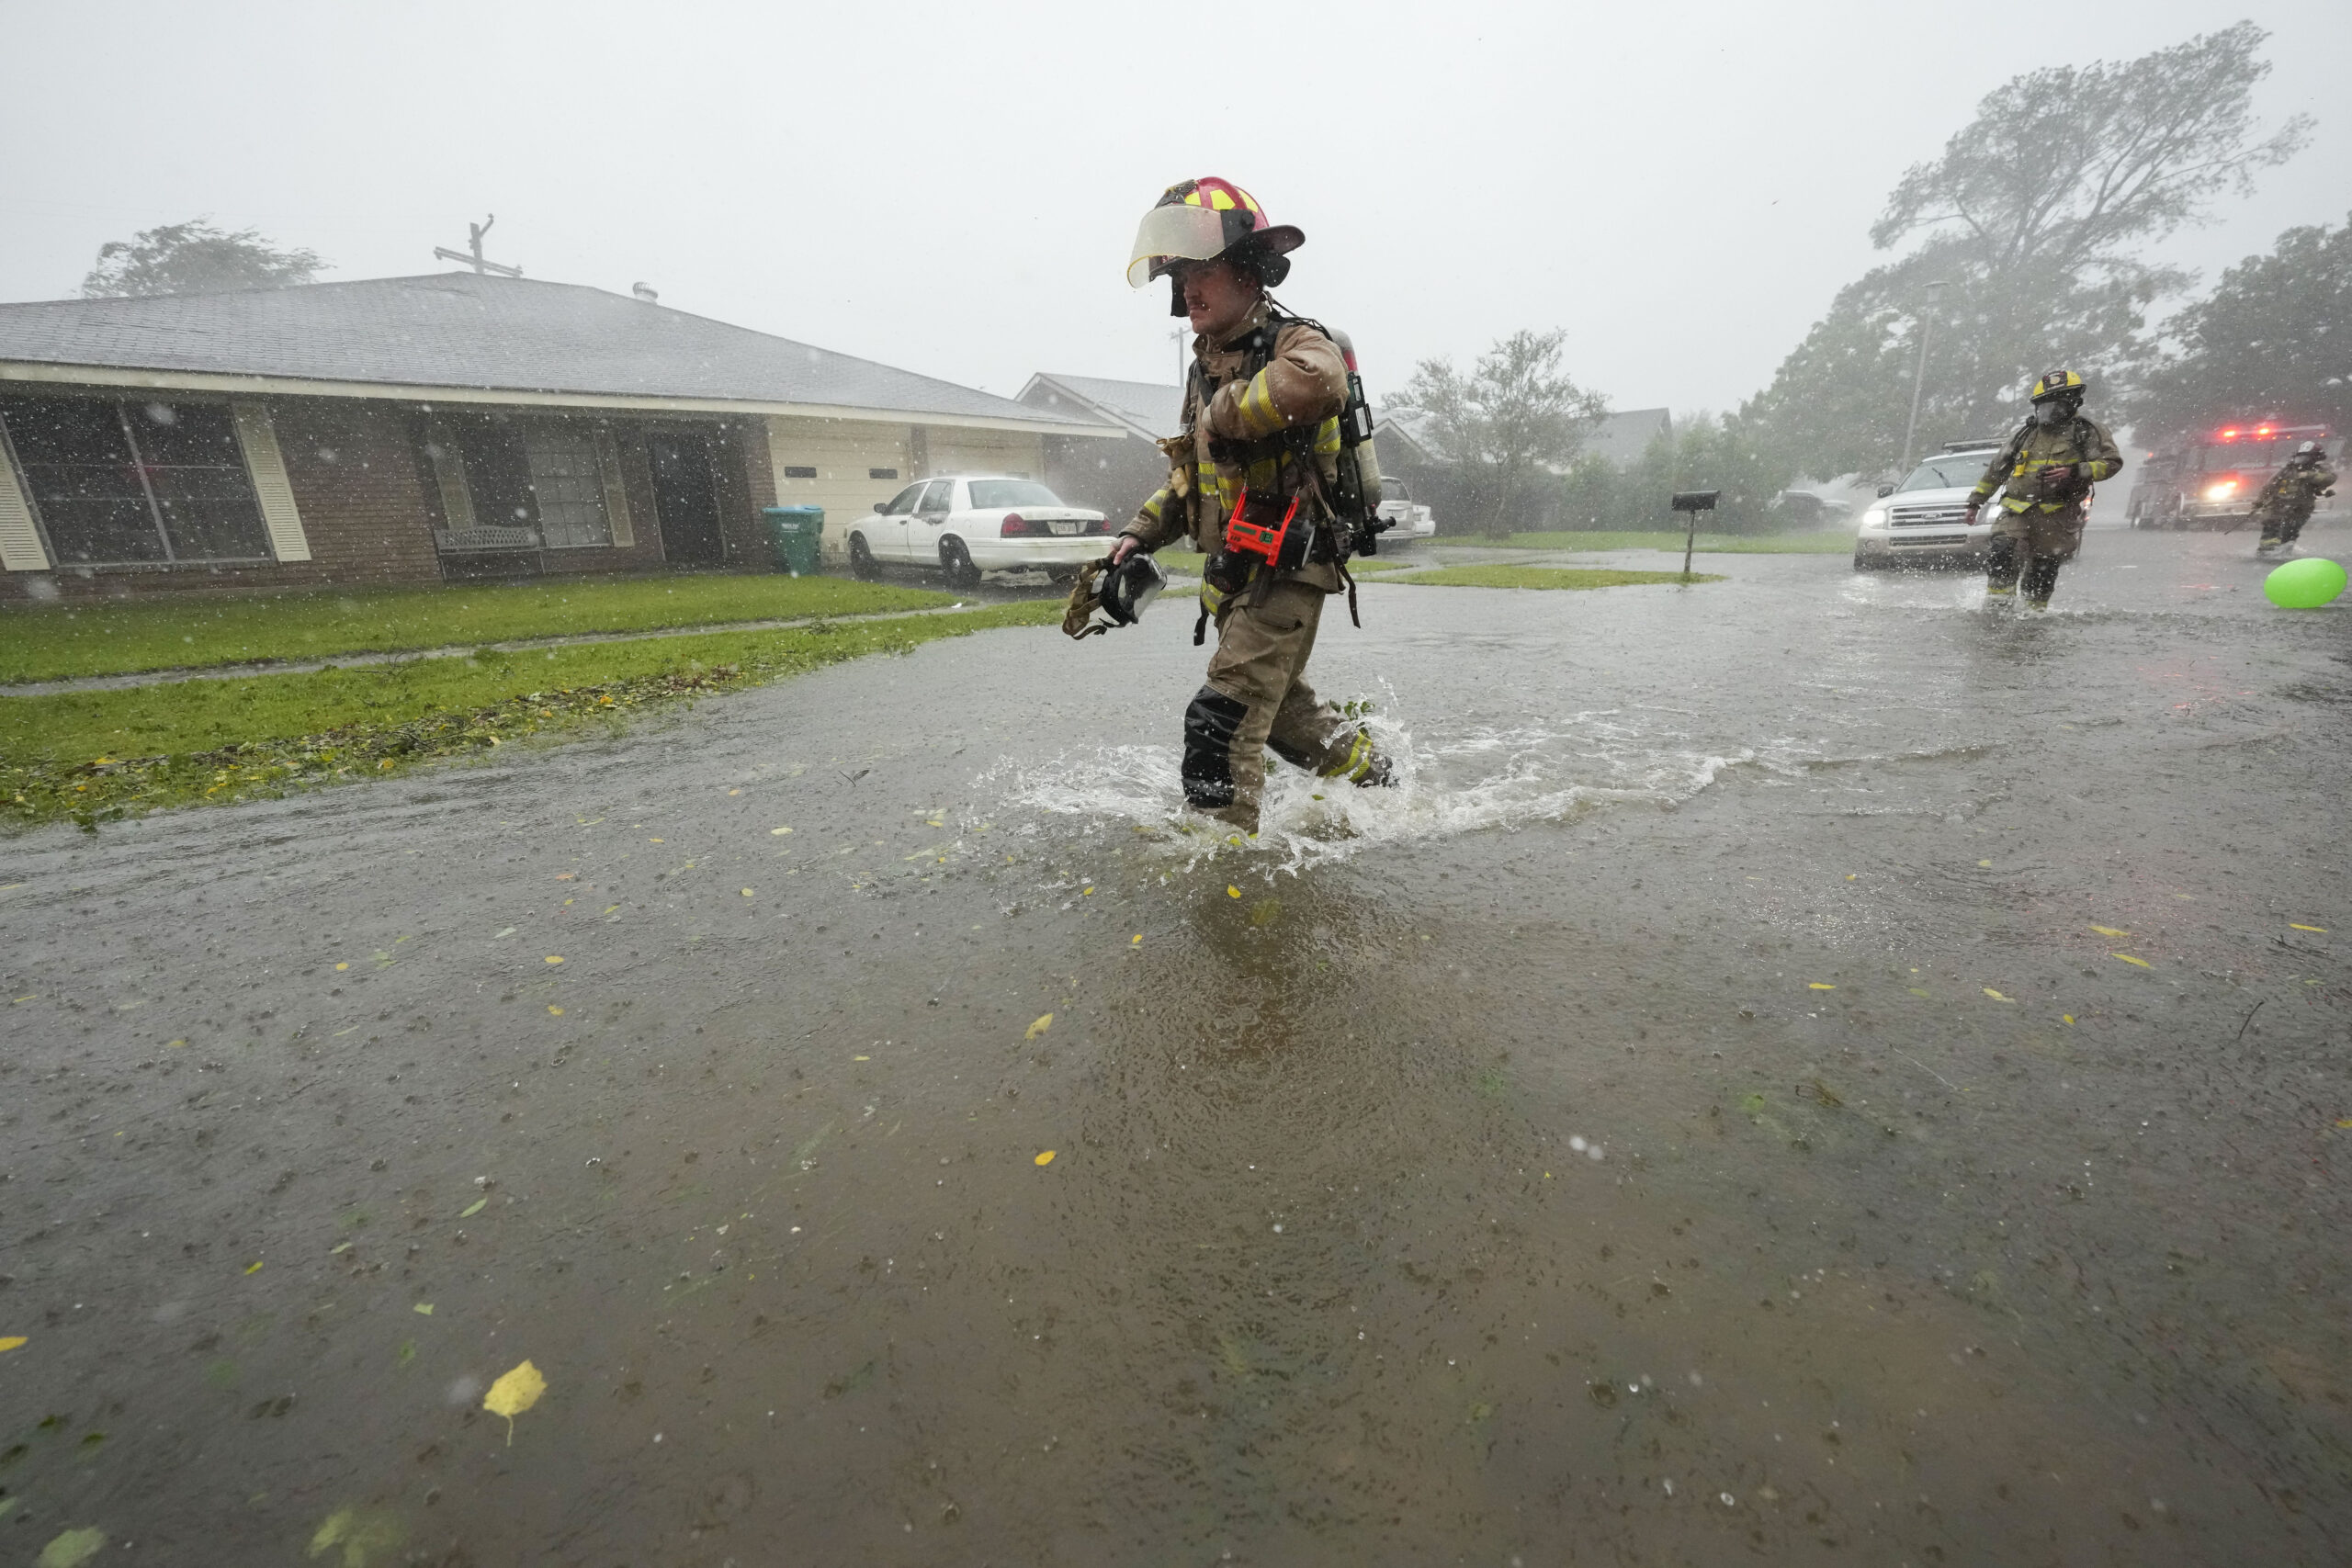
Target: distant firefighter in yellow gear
x=2044, y=475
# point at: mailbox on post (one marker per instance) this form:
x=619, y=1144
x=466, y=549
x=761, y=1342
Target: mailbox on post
x=1693, y=501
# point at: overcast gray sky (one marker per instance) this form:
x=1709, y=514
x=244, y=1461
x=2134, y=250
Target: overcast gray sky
x=952, y=188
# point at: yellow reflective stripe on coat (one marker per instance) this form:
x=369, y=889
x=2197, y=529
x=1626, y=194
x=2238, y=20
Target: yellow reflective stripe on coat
x=1327, y=437
x=1256, y=410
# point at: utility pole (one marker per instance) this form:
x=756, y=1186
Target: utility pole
x=1918, y=378
x=472, y=255
x=1183, y=353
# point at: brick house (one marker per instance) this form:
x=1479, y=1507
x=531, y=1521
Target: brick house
x=415, y=429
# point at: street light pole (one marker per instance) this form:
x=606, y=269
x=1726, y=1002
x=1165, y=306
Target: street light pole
x=1918, y=379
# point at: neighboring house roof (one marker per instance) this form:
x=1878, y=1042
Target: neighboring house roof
x=1406, y=430
x=478, y=334
x=1141, y=408
x=1625, y=434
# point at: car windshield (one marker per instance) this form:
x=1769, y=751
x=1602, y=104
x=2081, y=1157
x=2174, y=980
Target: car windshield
x=1952, y=470
x=987, y=493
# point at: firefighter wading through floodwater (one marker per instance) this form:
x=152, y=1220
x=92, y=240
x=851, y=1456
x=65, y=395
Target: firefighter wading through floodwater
x=1264, y=481
x=2044, y=475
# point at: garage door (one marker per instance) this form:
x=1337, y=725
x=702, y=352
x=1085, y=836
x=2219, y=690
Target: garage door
x=951, y=451
x=843, y=466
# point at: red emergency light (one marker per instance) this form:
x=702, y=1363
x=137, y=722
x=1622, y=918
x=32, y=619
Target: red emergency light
x=2229, y=435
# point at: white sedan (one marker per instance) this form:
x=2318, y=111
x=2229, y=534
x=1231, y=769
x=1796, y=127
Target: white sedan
x=967, y=523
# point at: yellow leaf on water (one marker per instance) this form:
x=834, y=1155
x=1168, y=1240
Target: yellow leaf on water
x=1231, y=891
x=11, y=1342
x=1045, y=1158
x=343, y=965
x=861, y=1058
x=422, y=1309
x=778, y=832
x=553, y=959
x=1917, y=992
x=1138, y=942
x=472, y=1209
x=173, y=1045
x=513, y=1394
x=72, y=1549
x=2321, y=930
x=2129, y=959
x=747, y=893
x=368, y=1535
x=1995, y=995
x=2109, y=931
x=253, y=1267
x=1817, y=986
x=2067, y=1016
x=1985, y=863
x=2341, y=1121
x=1039, y=1027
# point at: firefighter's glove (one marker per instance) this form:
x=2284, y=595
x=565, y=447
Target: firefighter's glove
x=1078, y=620
x=2058, y=481
x=1968, y=513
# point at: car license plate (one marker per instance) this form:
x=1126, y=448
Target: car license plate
x=1063, y=524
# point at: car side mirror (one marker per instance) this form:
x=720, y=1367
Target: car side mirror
x=878, y=506
x=1886, y=490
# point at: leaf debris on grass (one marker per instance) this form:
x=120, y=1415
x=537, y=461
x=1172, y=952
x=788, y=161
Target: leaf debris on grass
x=188, y=742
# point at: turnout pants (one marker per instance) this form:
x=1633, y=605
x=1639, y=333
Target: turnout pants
x=2028, y=549
x=1257, y=696
x=2280, y=527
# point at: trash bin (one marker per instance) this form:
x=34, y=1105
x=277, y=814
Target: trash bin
x=795, y=534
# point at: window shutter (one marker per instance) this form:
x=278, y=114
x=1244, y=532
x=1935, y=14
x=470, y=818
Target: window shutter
x=266, y=468
x=608, y=463
x=449, y=472
x=20, y=546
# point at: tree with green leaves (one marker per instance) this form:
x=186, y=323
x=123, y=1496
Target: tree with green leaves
x=1508, y=426
x=195, y=258
x=2027, y=236
x=2273, y=338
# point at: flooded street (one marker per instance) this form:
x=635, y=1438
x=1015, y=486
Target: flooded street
x=1804, y=1070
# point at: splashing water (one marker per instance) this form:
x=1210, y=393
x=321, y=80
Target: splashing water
x=1486, y=777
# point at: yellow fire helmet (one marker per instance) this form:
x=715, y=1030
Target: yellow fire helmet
x=1200, y=220
x=2057, y=384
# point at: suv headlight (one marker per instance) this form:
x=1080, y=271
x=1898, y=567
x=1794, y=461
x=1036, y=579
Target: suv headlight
x=1876, y=517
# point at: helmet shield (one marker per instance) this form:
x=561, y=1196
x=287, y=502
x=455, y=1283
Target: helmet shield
x=1129, y=588
x=1179, y=232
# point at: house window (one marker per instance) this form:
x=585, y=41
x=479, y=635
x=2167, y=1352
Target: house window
x=121, y=484
x=567, y=486
x=881, y=473
x=797, y=471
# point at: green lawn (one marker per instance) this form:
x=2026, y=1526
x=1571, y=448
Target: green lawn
x=54, y=641
x=1830, y=544
x=1504, y=575
x=91, y=755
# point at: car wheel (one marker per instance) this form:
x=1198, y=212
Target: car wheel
x=956, y=562
x=1863, y=562
x=860, y=559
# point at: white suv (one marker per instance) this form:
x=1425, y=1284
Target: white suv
x=1921, y=521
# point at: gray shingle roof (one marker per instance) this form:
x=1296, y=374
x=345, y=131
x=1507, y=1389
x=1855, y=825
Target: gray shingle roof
x=1146, y=408
x=459, y=329
x=1625, y=434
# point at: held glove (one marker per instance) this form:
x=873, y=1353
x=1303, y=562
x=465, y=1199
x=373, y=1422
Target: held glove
x=2057, y=482
x=1968, y=513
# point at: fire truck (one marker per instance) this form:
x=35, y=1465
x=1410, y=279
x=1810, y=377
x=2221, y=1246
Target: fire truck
x=2208, y=479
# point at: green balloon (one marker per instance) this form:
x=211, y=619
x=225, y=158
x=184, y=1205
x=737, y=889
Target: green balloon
x=2304, y=584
